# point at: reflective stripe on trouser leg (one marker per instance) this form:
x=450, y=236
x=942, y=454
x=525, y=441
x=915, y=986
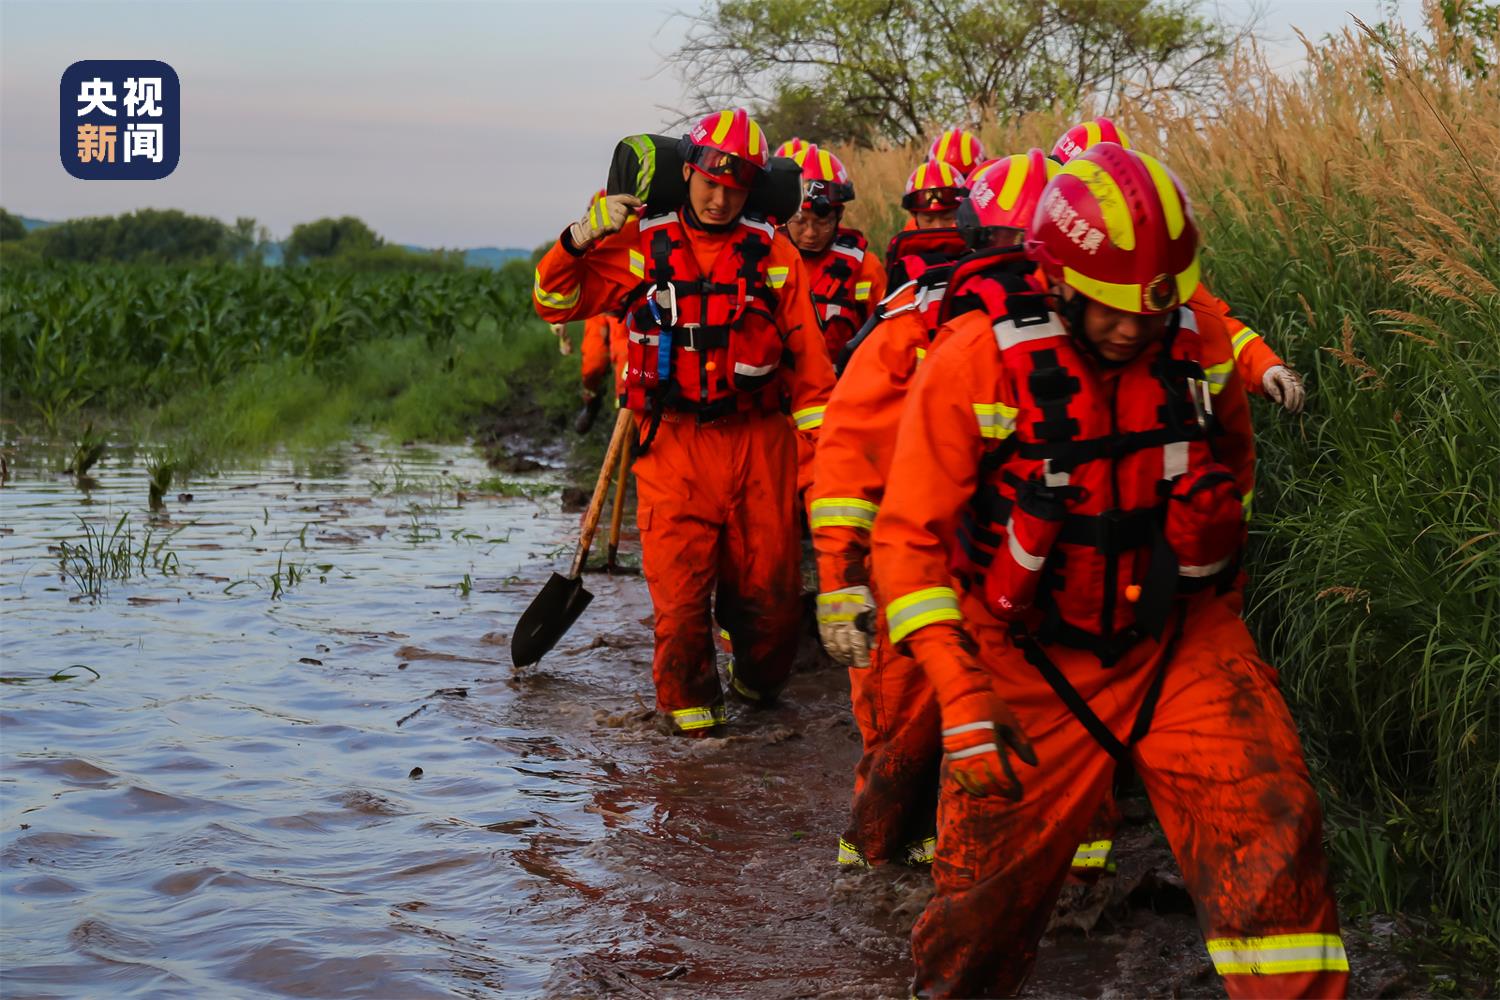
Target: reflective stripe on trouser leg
x=850, y=855
x=689, y=719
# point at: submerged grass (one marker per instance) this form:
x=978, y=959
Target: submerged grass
x=1349, y=212
x=105, y=555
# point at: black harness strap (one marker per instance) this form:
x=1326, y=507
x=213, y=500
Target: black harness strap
x=1075, y=703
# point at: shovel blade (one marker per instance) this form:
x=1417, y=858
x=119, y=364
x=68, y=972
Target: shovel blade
x=548, y=619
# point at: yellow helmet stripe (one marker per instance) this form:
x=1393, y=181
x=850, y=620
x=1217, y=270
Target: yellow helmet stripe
x=1015, y=178
x=825, y=163
x=943, y=144
x=1112, y=206
x=967, y=148
x=754, y=138
x=1094, y=134
x=1188, y=280
x=726, y=119
x=1171, y=202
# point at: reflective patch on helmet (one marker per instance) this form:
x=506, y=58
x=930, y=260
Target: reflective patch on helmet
x=1171, y=200
x=726, y=119
x=1113, y=208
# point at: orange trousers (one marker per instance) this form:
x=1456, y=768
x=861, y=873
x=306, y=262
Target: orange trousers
x=718, y=540
x=1223, y=767
x=893, y=812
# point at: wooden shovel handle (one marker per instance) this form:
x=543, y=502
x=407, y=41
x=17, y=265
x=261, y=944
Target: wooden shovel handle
x=623, y=423
x=619, y=512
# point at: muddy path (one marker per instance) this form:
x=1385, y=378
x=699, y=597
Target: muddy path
x=330, y=782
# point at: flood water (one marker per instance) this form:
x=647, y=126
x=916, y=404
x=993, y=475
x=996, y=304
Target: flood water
x=330, y=782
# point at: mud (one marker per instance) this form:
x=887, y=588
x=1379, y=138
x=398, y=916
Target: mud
x=345, y=789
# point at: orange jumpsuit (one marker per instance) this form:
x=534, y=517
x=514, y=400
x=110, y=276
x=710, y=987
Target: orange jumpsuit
x=603, y=351
x=895, y=782
x=847, y=282
x=715, y=498
x=1253, y=357
x=1220, y=760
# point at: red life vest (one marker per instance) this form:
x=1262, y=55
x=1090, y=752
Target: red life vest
x=1065, y=530
x=842, y=306
x=703, y=343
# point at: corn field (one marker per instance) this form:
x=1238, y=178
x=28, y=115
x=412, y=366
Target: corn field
x=1349, y=213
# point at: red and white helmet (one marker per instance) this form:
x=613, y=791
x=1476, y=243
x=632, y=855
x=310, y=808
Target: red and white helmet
x=1086, y=135
x=959, y=148
x=825, y=181
x=933, y=187
x=791, y=147
x=1116, y=226
x=1003, y=195
x=727, y=147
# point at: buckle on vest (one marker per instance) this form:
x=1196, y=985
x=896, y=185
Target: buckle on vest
x=1201, y=394
x=665, y=296
x=689, y=341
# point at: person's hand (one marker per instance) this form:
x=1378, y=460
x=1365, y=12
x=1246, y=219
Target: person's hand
x=979, y=734
x=1284, y=386
x=564, y=342
x=605, y=215
x=838, y=627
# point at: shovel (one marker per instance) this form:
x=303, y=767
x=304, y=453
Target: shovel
x=611, y=566
x=563, y=599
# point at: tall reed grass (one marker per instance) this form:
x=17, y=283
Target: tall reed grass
x=1350, y=212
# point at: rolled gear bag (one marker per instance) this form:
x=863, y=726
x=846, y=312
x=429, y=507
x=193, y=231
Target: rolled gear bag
x=1036, y=519
x=1205, y=523
x=649, y=166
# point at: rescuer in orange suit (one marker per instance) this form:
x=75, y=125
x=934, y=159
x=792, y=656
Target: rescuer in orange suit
x=895, y=782
x=1073, y=438
x=1261, y=368
x=720, y=331
x=843, y=274
x=604, y=340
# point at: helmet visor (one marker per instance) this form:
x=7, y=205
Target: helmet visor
x=933, y=200
x=725, y=168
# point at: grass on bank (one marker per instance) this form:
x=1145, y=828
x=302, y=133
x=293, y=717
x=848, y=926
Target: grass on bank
x=1349, y=212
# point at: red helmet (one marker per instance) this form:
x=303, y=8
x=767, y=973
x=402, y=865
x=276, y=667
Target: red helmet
x=825, y=182
x=727, y=147
x=1003, y=195
x=1084, y=136
x=933, y=187
x=1116, y=226
x=958, y=148
x=791, y=147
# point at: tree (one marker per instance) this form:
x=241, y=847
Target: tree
x=894, y=68
x=329, y=238
x=159, y=235
x=11, y=227
x=246, y=242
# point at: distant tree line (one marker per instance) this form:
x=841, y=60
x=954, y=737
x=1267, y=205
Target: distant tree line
x=169, y=236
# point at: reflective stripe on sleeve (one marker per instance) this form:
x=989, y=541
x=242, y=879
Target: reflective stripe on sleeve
x=637, y=263
x=1241, y=339
x=555, y=300
x=1026, y=560
x=1283, y=953
x=808, y=419
x=861, y=291
x=847, y=512
x=1093, y=854
x=776, y=276
x=1218, y=376
x=924, y=607
x=753, y=371
x=996, y=420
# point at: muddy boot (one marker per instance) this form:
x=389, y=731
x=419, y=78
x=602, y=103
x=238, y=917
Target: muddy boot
x=587, y=413
x=664, y=725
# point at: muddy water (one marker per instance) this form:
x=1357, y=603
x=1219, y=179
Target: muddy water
x=342, y=788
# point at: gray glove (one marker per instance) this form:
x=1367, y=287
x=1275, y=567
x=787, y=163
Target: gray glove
x=1285, y=387
x=605, y=215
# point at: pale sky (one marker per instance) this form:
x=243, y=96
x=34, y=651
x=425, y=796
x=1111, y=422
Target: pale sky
x=439, y=123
